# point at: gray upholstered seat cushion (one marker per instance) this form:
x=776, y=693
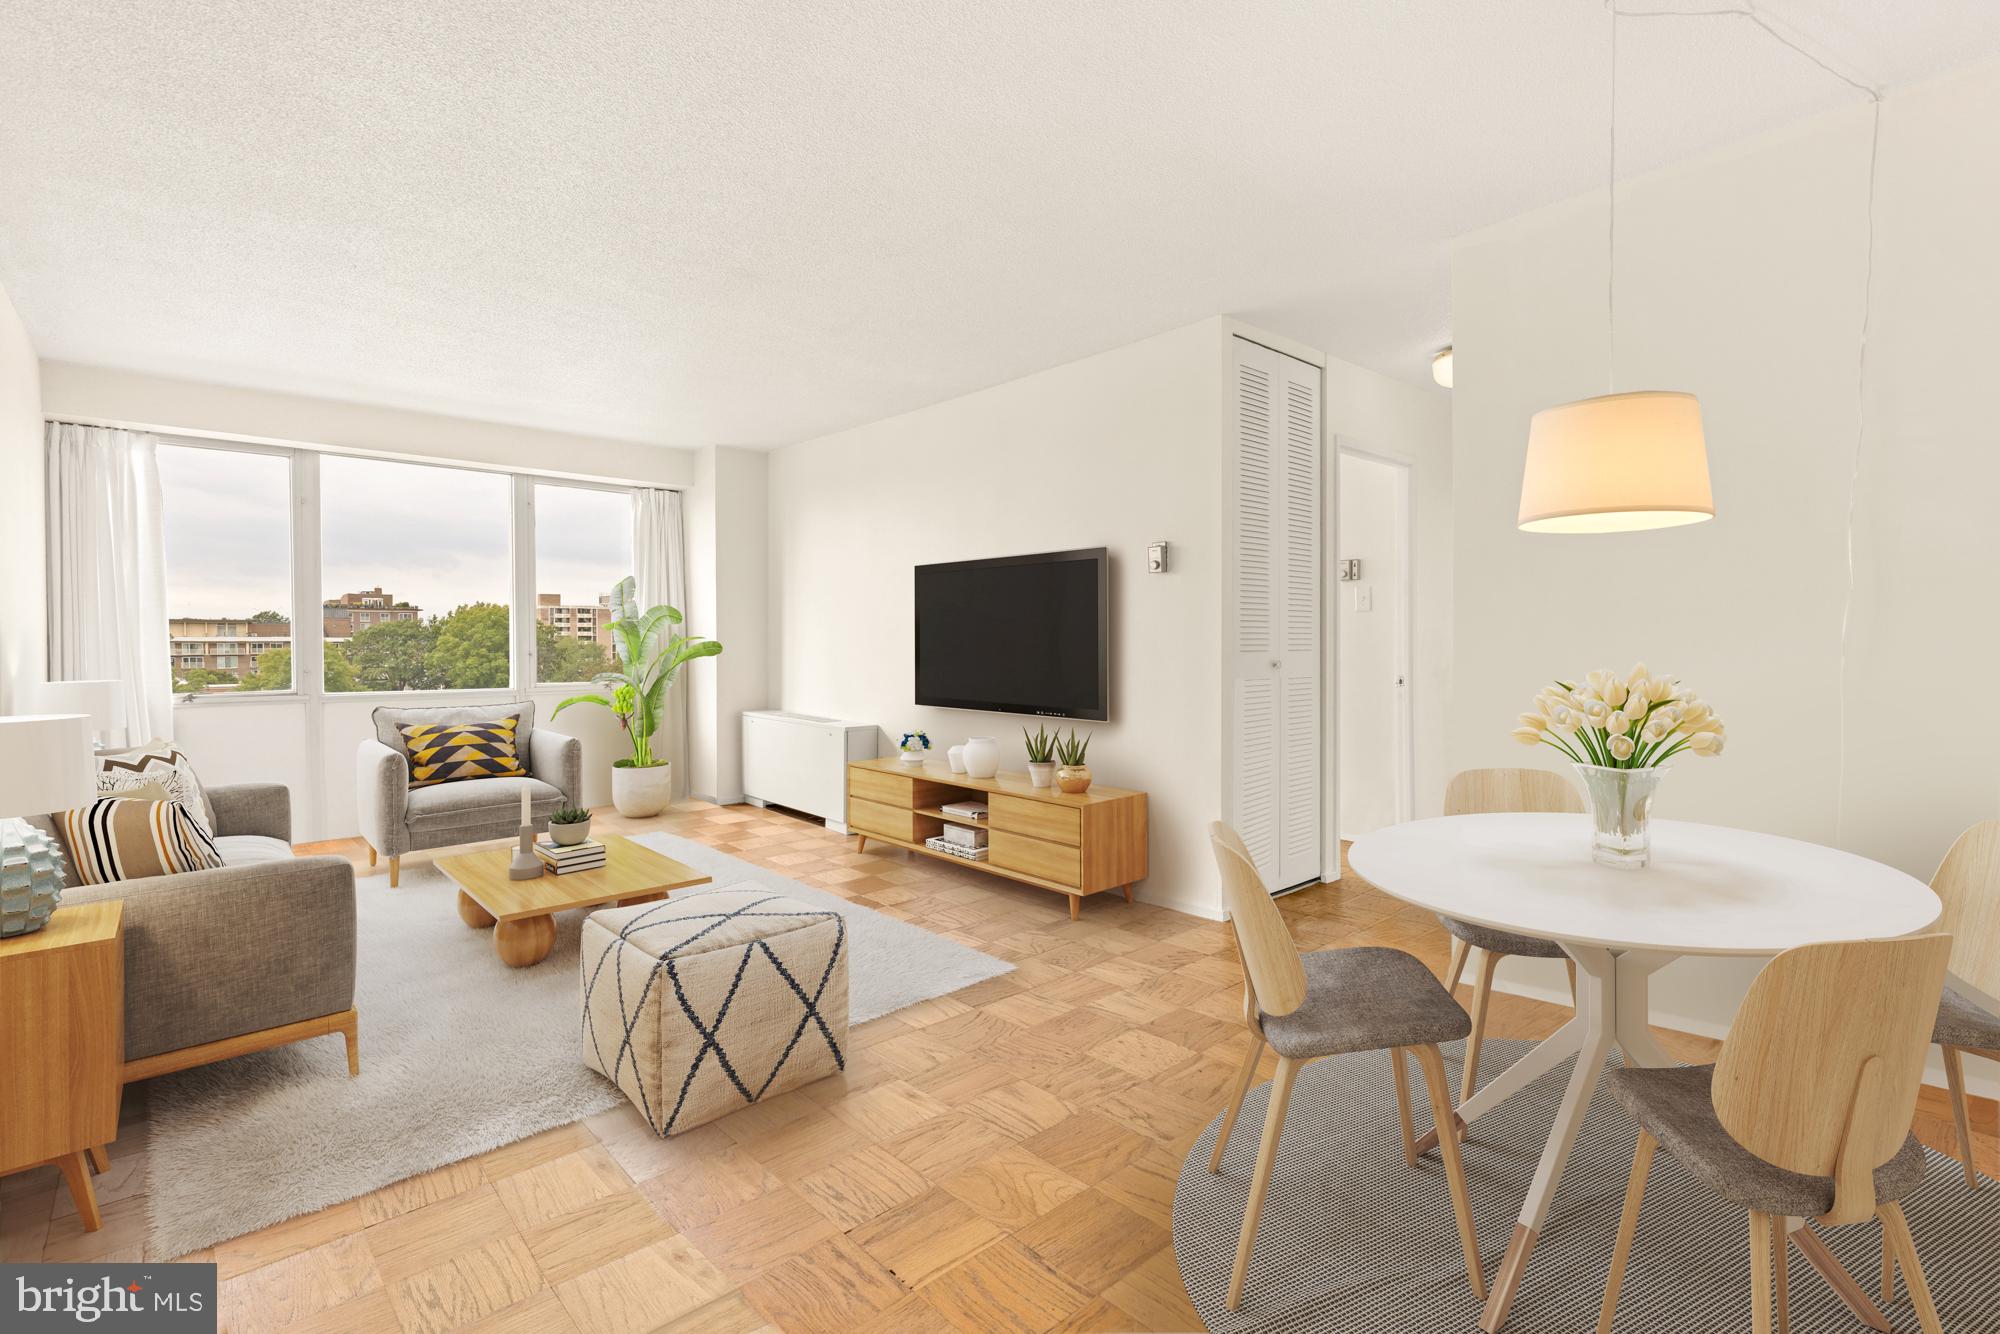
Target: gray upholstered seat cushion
x=1674, y=1103
x=1366, y=999
x=251, y=849
x=477, y=801
x=1495, y=941
x=1960, y=1023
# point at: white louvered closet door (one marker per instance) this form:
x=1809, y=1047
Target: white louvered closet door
x=1275, y=623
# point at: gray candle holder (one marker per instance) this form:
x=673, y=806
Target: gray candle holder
x=526, y=865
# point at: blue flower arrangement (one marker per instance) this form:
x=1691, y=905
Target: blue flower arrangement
x=918, y=740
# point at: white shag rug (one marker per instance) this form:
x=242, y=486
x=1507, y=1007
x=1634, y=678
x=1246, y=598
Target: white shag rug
x=459, y=1054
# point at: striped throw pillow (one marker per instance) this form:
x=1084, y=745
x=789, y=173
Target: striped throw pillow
x=116, y=838
x=455, y=752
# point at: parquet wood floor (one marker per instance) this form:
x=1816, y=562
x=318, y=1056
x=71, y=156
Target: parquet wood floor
x=1000, y=1159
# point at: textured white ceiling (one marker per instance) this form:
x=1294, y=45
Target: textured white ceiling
x=752, y=222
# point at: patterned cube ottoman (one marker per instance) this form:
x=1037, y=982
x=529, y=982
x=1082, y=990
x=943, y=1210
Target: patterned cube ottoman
x=711, y=1000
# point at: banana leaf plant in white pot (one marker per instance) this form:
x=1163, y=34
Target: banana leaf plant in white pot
x=651, y=652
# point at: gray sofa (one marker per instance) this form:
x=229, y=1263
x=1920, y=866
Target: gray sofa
x=395, y=820
x=254, y=954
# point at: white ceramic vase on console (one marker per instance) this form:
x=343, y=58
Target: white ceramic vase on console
x=982, y=757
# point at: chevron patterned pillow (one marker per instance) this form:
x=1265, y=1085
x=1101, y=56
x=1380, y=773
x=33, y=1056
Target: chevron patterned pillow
x=454, y=752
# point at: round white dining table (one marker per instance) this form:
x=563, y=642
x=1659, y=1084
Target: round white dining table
x=1708, y=890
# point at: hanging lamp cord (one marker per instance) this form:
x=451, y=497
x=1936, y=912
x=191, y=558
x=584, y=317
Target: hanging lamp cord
x=1749, y=11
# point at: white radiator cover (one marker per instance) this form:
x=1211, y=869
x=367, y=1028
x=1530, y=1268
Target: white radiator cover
x=800, y=761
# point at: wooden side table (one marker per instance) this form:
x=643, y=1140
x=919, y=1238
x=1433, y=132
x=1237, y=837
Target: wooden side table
x=62, y=1045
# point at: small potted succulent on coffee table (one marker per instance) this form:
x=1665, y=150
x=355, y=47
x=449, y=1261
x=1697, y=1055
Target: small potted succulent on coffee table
x=569, y=825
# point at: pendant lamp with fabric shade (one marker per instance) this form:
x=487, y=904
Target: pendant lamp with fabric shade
x=1616, y=464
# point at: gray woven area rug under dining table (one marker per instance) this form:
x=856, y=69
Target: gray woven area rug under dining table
x=1353, y=1240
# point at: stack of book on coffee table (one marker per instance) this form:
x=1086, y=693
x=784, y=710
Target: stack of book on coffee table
x=562, y=859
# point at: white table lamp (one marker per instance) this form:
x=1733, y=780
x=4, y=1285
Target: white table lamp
x=103, y=701
x=45, y=766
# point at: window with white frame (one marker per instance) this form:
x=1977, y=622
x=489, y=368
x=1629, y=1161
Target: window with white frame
x=226, y=516
x=423, y=554
x=583, y=547
x=418, y=571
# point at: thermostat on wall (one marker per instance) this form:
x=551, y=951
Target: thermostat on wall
x=1156, y=558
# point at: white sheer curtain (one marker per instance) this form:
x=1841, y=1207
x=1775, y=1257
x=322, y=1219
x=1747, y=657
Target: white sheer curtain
x=659, y=551
x=107, y=570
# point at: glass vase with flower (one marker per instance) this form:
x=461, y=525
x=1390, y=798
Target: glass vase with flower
x=1620, y=732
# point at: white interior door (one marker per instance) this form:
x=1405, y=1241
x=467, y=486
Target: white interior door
x=1372, y=643
x=1276, y=497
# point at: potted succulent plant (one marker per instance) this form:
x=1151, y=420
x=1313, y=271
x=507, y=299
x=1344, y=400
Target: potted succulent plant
x=569, y=825
x=651, y=652
x=1072, y=774
x=1041, y=756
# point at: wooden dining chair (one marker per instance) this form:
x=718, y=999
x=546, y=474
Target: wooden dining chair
x=1329, y=1003
x=1491, y=792
x=1806, y=1111
x=1968, y=881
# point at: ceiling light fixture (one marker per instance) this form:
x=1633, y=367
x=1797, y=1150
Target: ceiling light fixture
x=1617, y=463
x=1441, y=367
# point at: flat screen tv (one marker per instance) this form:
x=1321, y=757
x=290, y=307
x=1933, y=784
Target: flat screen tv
x=1017, y=634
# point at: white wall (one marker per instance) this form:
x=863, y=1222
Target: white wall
x=728, y=574
x=1740, y=279
x=1369, y=732
x=100, y=393
x=23, y=527
x=1117, y=450
x=237, y=739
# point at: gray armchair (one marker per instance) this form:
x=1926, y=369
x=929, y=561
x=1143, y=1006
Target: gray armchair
x=253, y=954
x=395, y=820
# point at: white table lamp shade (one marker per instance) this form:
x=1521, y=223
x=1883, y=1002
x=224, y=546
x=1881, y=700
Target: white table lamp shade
x=45, y=764
x=104, y=701
x=1615, y=464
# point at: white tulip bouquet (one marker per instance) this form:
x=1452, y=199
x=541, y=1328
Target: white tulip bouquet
x=1639, y=721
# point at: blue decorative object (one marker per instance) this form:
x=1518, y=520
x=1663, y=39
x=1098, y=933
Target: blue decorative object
x=914, y=745
x=31, y=877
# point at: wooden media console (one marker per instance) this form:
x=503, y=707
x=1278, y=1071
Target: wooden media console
x=1075, y=845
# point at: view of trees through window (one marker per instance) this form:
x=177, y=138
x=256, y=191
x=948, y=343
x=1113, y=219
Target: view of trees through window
x=583, y=547
x=226, y=515
x=415, y=571
x=415, y=567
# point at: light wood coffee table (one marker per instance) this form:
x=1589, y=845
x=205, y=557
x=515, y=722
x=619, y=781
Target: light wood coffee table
x=521, y=912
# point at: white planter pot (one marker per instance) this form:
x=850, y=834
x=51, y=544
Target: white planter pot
x=641, y=792
x=1041, y=775
x=565, y=835
x=982, y=757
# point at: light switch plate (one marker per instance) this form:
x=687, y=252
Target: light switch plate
x=1364, y=598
